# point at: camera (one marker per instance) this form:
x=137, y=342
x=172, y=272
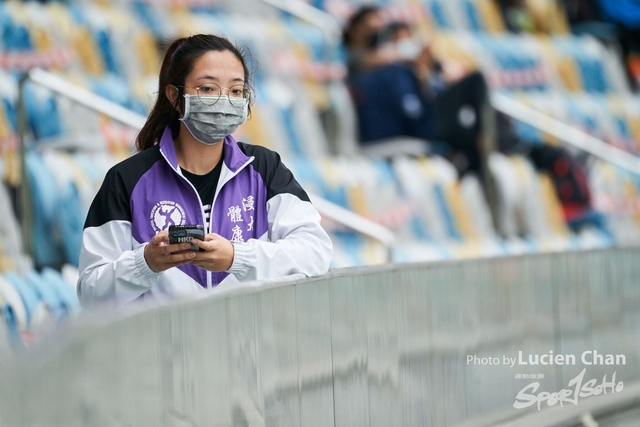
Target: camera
x=184, y=234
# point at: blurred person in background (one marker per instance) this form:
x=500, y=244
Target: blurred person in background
x=612, y=22
x=258, y=221
x=400, y=90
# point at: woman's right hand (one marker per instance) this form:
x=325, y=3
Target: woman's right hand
x=161, y=256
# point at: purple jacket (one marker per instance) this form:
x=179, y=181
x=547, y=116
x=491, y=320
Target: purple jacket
x=258, y=205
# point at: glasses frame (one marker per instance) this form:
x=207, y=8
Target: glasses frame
x=235, y=101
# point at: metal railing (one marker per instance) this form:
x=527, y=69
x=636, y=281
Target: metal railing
x=566, y=133
x=314, y=16
x=97, y=103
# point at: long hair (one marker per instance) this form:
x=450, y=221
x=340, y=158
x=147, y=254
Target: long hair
x=178, y=62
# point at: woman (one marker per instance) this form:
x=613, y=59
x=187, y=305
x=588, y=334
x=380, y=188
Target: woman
x=258, y=221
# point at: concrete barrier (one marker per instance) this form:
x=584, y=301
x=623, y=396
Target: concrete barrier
x=390, y=346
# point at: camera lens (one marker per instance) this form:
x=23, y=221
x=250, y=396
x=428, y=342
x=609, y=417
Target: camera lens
x=178, y=233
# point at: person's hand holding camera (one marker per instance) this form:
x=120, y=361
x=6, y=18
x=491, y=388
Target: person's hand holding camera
x=161, y=256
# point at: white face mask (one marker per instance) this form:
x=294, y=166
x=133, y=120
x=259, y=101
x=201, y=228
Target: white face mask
x=408, y=48
x=210, y=124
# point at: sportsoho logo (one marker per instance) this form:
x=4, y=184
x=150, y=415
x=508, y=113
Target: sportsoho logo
x=578, y=387
x=166, y=213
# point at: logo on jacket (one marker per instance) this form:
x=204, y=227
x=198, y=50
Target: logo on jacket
x=166, y=213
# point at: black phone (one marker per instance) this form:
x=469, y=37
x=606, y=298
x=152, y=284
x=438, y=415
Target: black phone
x=184, y=234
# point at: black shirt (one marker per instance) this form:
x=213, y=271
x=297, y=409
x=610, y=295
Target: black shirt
x=206, y=187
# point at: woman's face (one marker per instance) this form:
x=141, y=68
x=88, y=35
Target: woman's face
x=220, y=67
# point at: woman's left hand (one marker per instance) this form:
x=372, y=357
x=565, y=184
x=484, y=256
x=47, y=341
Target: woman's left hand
x=218, y=255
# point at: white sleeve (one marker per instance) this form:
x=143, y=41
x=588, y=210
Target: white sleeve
x=111, y=270
x=296, y=243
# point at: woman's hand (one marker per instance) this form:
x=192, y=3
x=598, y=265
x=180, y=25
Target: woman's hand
x=161, y=256
x=218, y=255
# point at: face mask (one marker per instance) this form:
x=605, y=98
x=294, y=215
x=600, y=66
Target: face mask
x=408, y=48
x=210, y=124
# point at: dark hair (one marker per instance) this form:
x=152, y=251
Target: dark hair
x=178, y=62
x=355, y=20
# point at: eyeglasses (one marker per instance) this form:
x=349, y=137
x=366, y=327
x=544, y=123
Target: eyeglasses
x=210, y=93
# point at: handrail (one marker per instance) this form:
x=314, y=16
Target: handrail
x=86, y=98
x=305, y=12
x=358, y=223
x=89, y=99
x=574, y=136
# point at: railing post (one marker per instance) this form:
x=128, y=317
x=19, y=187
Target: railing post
x=24, y=193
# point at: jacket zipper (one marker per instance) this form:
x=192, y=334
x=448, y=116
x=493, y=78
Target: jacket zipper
x=215, y=196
